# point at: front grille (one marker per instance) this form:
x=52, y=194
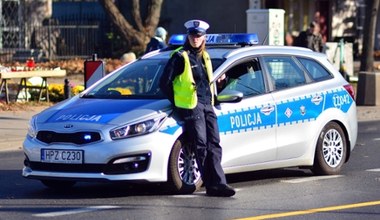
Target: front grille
x=75, y=138
x=72, y=168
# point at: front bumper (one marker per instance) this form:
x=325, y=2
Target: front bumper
x=138, y=159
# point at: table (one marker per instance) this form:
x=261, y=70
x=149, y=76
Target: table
x=23, y=76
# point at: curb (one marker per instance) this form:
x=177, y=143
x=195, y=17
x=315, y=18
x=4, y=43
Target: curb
x=368, y=113
x=14, y=145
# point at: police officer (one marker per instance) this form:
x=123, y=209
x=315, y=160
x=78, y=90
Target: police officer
x=186, y=82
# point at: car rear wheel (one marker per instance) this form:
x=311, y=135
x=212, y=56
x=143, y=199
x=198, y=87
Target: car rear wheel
x=331, y=150
x=184, y=175
x=58, y=184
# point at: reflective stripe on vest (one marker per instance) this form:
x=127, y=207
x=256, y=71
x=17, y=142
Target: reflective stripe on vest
x=185, y=95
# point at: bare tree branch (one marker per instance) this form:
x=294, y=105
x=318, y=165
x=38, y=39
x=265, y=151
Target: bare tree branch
x=154, y=12
x=136, y=37
x=136, y=15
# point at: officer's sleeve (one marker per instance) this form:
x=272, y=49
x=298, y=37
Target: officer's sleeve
x=173, y=68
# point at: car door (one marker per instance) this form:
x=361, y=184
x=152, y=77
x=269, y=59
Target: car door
x=298, y=106
x=247, y=127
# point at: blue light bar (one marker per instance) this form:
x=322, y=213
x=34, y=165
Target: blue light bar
x=177, y=39
x=219, y=39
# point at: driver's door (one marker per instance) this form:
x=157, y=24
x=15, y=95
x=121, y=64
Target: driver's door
x=247, y=128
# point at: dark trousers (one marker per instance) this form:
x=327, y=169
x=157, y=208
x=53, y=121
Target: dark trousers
x=201, y=126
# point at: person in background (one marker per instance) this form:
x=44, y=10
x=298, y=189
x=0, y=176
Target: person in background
x=321, y=20
x=186, y=82
x=127, y=58
x=158, y=41
x=310, y=38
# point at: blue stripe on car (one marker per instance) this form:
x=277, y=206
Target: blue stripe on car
x=303, y=109
x=291, y=111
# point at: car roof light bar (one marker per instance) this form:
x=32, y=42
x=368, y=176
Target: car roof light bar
x=219, y=39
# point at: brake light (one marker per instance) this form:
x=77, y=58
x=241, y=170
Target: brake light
x=350, y=90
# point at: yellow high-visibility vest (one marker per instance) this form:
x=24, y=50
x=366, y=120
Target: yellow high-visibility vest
x=185, y=94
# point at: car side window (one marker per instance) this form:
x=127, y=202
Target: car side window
x=284, y=72
x=245, y=77
x=315, y=70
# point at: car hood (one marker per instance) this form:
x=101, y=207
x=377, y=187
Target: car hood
x=102, y=111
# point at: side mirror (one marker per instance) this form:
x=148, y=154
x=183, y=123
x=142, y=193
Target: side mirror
x=229, y=96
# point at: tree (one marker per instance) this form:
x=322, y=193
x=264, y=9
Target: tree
x=366, y=62
x=38, y=34
x=136, y=37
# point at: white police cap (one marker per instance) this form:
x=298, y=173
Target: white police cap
x=198, y=27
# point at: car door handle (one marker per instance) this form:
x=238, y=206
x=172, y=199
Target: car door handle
x=267, y=109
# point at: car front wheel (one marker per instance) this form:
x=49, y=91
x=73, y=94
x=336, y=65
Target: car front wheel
x=184, y=175
x=331, y=150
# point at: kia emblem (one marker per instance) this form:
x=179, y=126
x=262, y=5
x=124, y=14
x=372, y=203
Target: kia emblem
x=68, y=126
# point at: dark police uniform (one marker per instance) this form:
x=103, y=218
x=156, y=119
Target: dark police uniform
x=201, y=121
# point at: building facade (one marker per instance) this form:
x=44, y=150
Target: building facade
x=338, y=18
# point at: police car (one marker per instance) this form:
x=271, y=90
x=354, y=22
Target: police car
x=277, y=107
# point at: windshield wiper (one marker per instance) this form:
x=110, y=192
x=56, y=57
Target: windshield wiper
x=88, y=96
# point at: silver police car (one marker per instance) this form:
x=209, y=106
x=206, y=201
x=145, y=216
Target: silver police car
x=277, y=107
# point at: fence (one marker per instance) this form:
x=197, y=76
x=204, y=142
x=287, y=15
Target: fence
x=52, y=42
x=64, y=36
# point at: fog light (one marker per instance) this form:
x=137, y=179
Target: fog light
x=128, y=164
x=129, y=159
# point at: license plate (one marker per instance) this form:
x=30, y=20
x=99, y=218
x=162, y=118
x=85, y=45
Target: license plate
x=62, y=156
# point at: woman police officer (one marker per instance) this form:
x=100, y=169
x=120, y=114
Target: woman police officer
x=186, y=82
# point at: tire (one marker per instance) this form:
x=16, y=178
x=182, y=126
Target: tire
x=184, y=176
x=58, y=184
x=331, y=150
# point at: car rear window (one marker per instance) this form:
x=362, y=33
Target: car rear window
x=284, y=72
x=315, y=70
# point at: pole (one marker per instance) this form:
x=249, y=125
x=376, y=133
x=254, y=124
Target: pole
x=66, y=89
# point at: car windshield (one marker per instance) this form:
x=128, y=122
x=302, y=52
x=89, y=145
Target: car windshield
x=137, y=80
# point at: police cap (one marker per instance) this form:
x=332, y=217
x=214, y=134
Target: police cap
x=196, y=27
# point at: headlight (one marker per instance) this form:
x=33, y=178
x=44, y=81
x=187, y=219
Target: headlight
x=32, y=128
x=139, y=128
